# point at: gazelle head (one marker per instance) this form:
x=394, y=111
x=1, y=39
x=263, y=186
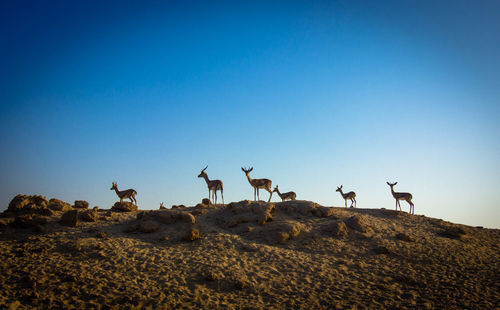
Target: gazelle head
x=339, y=189
x=247, y=171
x=113, y=186
x=392, y=184
x=161, y=205
x=275, y=190
x=203, y=173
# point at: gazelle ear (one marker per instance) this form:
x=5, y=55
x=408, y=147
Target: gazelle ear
x=388, y=183
x=250, y=169
x=395, y=183
x=242, y=169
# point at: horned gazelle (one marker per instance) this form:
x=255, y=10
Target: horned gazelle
x=258, y=183
x=401, y=196
x=129, y=193
x=213, y=186
x=351, y=196
x=284, y=196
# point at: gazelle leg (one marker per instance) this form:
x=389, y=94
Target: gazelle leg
x=222, y=194
x=270, y=194
x=215, y=194
x=355, y=203
x=345, y=200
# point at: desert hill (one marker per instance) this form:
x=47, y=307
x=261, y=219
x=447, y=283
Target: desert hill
x=294, y=254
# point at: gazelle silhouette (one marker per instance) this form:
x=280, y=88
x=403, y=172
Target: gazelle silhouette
x=129, y=193
x=213, y=186
x=351, y=196
x=402, y=196
x=258, y=183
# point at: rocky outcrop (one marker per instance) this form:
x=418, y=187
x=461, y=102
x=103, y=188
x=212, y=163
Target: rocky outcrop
x=337, y=228
x=70, y=218
x=59, y=205
x=81, y=204
x=247, y=212
x=357, y=222
x=28, y=204
x=124, y=206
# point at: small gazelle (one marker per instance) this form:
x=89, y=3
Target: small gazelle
x=284, y=196
x=348, y=196
x=401, y=196
x=129, y=193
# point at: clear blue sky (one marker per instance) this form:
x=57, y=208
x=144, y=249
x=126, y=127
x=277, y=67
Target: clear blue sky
x=311, y=94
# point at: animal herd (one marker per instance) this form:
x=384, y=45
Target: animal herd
x=266, y=184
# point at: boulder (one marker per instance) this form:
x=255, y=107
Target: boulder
x=170, y=217
x=148, y=226
x=404, y=237
x=29, y=221
x=28, y=204
x=206, y=201
x=192, y=234
x=358, y=223
x=248, y=212
x=124, y=206
x=81, y=204
x=338, y=229
x=88, y=215
x=59, y=205
x=285, y=231
x=70, y=218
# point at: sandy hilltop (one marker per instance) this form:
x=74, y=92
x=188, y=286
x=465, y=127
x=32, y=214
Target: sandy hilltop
x=252, y=255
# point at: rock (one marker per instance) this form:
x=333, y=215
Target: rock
x=357, y=222
x=178, y=207
x=338, y=229
x=323, y=212
x=28, y=204
x=29, y=221
x=124, y=206
x=148, y=226
x=70, y=218
x=88, y=215
x=101, y=234
x=248, y=212
x=382, y=250
x=453, y=232
x=81, y=204
x=404, y=237
x=162, y=207
x=285, y=231
x=59, y=205
x=206, y=201
x=192, y=234
x=21, y=201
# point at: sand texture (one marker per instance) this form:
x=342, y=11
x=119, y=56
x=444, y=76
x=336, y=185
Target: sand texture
x=242, y=255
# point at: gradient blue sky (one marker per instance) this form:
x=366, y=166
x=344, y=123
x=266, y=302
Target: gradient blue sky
x=311, y=94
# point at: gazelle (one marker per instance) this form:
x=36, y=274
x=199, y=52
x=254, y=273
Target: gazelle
x=284, y=196
x=402, y=196
x=129, y=193
x=213, y=186
x=351, y=196
x=258, y=183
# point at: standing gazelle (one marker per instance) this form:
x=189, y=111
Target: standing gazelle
x=213, y=186
x=351, y=196
x=129, y=193
x=284, y=196
x=258, y=183
x=401, y=196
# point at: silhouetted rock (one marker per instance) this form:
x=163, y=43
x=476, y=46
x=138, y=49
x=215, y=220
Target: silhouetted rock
x=206, y=201
x=303, y=207
x=59, y=205
x=162, y=207
x=81, y=204
x=70, y=218
x=178, y=207
x=124, y=206
x=358, y=223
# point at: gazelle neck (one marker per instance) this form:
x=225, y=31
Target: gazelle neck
x=392, y=191
x=249, y=178
x=205, y=176
x=278, y=191
x=341, y=193
x=116, y=190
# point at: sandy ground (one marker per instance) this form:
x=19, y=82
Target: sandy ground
x=251, y=256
